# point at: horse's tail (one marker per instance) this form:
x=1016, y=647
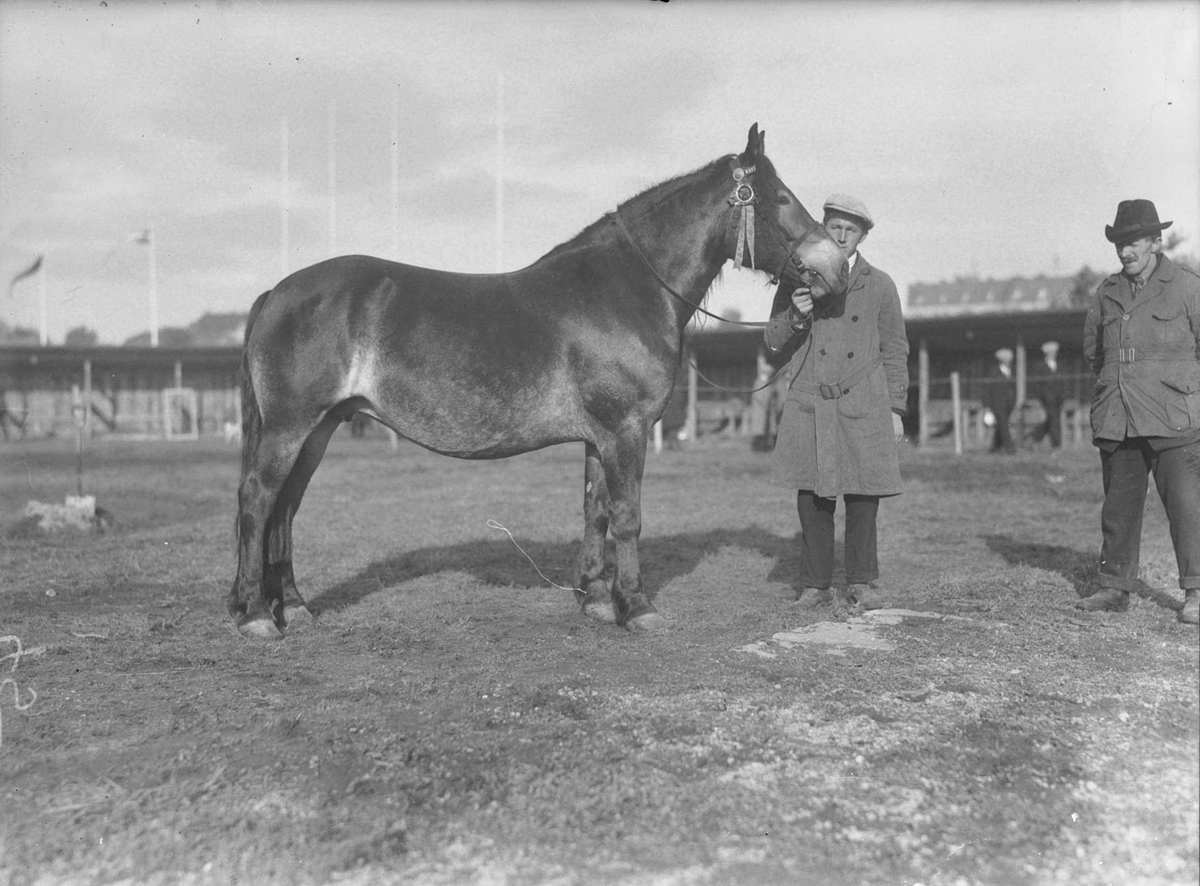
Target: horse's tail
x=251, y=417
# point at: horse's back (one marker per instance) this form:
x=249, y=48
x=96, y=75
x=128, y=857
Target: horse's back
x=446, y=359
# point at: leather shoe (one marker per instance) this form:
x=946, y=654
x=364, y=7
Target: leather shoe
x=1190, y=613
x=1105, y=600
x=842, y=601
x=869, y=597
x=811, y=598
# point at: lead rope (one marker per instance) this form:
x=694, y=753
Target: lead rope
x=492, y=524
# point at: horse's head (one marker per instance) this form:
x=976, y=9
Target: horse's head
x=787, y=242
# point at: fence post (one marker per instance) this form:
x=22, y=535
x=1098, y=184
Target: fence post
x=87, y=398
x=923, y=393
x=691, y=423
x=956, y=406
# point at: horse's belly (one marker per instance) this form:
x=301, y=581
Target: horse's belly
x=458, y=418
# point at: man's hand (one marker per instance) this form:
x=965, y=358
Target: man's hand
x=802, y=300
x=898, y=427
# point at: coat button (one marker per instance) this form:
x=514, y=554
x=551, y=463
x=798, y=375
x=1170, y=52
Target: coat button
x=822, y=352
x=850, y=355
x=854, y=319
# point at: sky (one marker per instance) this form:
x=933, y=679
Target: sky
x=987, y=139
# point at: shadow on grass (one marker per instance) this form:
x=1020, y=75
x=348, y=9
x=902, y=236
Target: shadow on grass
x=499, y=563
x=1077, y=567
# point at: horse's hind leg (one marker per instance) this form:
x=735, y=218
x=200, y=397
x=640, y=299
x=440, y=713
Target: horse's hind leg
x=624, y=458
x=280, y=579
x=265, y=470
x=594, y=594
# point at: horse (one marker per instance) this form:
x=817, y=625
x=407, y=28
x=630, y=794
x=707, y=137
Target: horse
x=583, y=345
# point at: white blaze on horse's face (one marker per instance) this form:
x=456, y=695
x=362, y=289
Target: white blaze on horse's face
x=826, y=269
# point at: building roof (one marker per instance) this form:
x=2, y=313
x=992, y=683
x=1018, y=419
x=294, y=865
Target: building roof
x=969, y=295
x=219, y=329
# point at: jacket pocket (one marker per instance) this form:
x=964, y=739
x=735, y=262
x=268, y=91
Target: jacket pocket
x=1182, y=402
x=1167, y=313
x=1183, y=385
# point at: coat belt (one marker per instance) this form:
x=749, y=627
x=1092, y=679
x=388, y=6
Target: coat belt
x=843, y=387
x=1155, y=352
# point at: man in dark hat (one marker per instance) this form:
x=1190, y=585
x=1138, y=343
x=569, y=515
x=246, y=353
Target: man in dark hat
x=1142, y=338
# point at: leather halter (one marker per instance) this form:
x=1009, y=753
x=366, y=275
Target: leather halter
x=744, y=203
x=742, y=220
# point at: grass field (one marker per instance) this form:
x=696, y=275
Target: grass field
x=451, y=717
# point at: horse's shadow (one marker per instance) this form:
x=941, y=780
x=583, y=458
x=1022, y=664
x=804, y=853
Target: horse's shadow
x=1077, y=567
x=500, y=563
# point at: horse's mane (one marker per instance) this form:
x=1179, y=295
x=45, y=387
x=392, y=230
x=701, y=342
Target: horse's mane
x=658, y=190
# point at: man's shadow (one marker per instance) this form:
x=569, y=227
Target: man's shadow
x=1077, y=567
x=498, y=562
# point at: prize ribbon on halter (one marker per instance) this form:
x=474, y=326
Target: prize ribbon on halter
x=745, y=231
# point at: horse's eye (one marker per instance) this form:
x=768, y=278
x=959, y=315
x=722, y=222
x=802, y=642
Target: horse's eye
x=783, y=200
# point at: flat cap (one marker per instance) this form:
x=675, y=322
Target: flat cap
x=1004, y=355
x=850, y=206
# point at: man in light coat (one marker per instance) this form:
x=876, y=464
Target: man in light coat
x=848, y=372
x=1142, y=338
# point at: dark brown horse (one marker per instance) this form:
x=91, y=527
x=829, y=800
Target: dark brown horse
x=582, y=345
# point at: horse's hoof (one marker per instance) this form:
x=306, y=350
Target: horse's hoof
x=600, y=611
x=646, y=623
x=296, y=615
x=258, y=628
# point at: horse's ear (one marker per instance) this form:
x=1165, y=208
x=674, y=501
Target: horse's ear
x=753, y=146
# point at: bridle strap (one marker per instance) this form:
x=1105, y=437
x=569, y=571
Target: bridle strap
x=667, y=286
x=744, y=203
x=792, y=253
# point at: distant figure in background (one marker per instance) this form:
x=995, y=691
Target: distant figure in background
x=1048, y=388
x=1000, y=396
x=761, y=406
x=1142, y=338
x=4, y=418
x=848, y=389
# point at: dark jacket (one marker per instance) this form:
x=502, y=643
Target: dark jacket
x=848, y=373
x=1145, y=351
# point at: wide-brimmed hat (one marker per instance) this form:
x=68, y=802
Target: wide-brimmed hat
x=848, y=205
x=1135, y=218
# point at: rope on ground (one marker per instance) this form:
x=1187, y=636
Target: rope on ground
x=16, y=660
x=492, y=524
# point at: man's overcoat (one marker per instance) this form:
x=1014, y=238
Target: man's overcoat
x=1145, y=350
x=848, y=372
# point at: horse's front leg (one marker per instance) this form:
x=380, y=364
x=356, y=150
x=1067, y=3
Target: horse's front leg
x=591, y=582
x=623, y=465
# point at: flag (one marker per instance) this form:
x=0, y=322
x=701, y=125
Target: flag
x=28, y=272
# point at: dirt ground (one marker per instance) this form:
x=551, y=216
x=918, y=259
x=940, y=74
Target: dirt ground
x=451, y=718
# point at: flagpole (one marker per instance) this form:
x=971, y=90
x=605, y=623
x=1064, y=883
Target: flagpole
x=151, y=249
x=499, y=172
x=332, y=179
x=43, y=334
x=396, y=176
x=283, y=197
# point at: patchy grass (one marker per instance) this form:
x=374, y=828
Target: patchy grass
x=452, y=718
